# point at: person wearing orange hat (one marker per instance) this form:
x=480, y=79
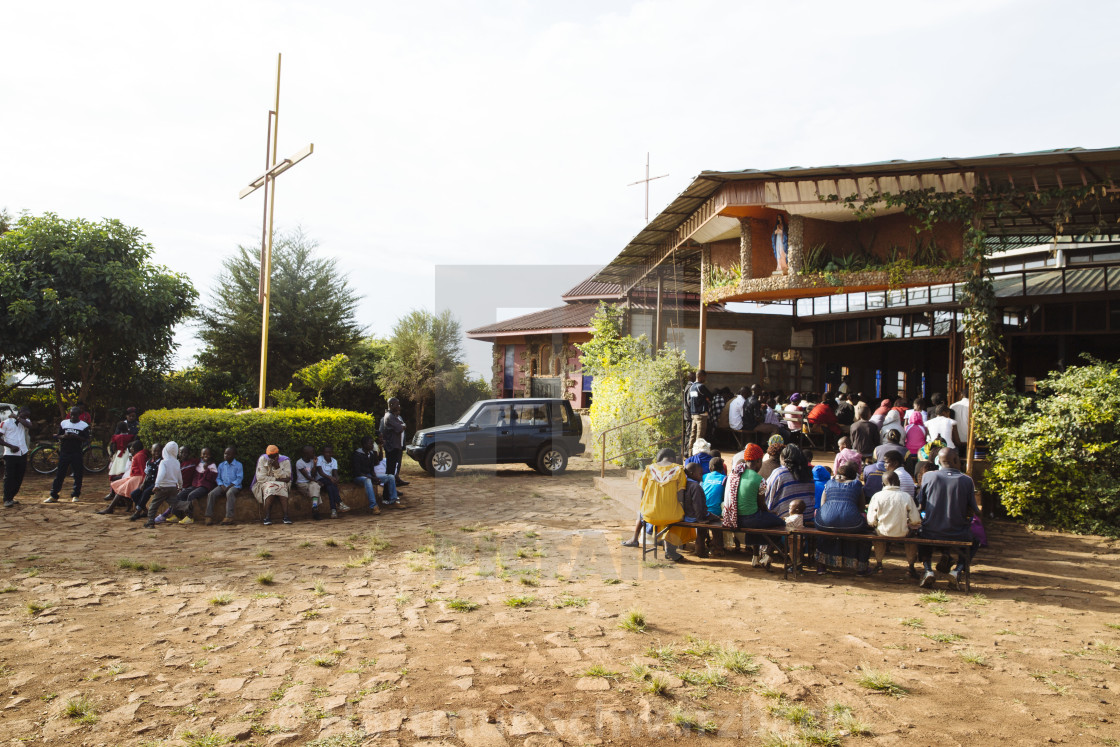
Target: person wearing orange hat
x=743, y=506
x=272, y=480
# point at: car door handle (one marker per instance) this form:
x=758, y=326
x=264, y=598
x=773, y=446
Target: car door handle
x=505, y=433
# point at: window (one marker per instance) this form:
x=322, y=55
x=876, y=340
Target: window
x=529, y=415
x=844, y=371
x=902, y=383
x=559, y=413
x=492, y=415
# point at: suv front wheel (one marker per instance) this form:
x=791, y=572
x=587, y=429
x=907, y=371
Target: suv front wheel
x=442, y=461
x=551, y=460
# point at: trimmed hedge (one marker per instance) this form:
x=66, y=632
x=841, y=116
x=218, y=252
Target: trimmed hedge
x=251, y=431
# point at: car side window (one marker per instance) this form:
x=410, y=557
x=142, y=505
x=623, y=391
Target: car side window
x=488, y=416
x=559, y=414
x=531, y=415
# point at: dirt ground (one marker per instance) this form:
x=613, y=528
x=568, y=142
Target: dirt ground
x=491, y=612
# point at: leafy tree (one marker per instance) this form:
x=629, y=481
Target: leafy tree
x=81, y=303
x=425, y=358
x=1056, y=455
x=312, y=312
x=609, y=347
x=329, y=373
x=362, y=392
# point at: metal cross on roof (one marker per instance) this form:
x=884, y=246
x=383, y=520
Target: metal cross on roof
x=646, y=181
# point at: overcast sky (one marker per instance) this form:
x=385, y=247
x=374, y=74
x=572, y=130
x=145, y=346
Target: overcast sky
x=450, y=133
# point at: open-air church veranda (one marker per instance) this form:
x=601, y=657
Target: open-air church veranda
x=872, y=259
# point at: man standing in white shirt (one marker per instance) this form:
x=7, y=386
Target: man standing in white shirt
x=14, y=438
x=943, y=426
x=959, y=410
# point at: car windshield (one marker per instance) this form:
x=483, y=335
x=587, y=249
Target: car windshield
x=467, y=415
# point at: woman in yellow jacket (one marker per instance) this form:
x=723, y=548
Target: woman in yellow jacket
x=663, y=488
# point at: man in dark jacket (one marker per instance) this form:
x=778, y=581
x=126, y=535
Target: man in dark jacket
x=947, y=501
x=864, y=434
x=392, y=437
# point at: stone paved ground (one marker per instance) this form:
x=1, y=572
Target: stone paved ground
x=489, y=613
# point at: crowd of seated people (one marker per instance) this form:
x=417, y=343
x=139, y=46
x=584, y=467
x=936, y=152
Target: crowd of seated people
x=162, y=483
x=892, y=496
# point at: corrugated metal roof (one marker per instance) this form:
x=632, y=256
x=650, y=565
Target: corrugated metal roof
x=590, y=288
x=570, y=316
x=1061, y=166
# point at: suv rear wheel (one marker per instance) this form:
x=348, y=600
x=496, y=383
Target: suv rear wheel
x=551, y=460
x=442, y=461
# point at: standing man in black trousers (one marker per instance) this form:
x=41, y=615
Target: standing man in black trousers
x=392, y=436
x=14, y=439
x=73, y=435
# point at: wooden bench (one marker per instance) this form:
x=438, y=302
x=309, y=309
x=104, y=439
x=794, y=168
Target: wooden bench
x=791, y=552
x=799, y=534
x=770, y=535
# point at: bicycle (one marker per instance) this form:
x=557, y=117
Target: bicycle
x=44, y=458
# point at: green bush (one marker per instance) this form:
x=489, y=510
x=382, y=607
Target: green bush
x=253, y=430
x=1056, y=456
x=628, y=385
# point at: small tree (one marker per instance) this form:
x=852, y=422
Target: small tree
x=329, y=373
x=425, y=357
x=1056, y=456
x=609, y=346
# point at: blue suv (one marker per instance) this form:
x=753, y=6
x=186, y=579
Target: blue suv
x=541, y=433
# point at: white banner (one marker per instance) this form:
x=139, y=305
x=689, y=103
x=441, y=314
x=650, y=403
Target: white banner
x=728, y=351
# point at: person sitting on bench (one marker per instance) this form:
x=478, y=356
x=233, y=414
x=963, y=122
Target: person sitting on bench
x=745, y=499
x=841, y=510
x=892, y=513
x=947, y=501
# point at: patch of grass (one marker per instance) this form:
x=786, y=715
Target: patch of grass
x=1045, y=679
x=655, y=564
x=976, y=600
x=402, y=599
x=377, y=542
x=311, y=614
x=692, y=722
x=1114, y=626
x=319, y=589
x=322, y=660
x=634, y=621
x=704, y=678
x=934, y=596
x=938, y=609
x=777, y=739
x=913, y=622
x=349, y=739
x=519, y=602
x=265, y=579
x=213, y=739
x=597, y=670
x=48, y=697
x=128, y=564
x=612, y=581
x=943, y=637
x=797, y=714
x=700, y=648
x=531, y=535
x=31, y=572
x=737, y=662
x=880, y=682
x=973, y=657
x=1107, y=648
x=359, y=561
x=528, y=581
x=305, y=544
x=279, y=693
x=221, y=600
x=1006, y=631
x=820, y=736
x=330, y=542
x=155, y=567
x=567, y=601
x=80, y=709
x=8, y=590
x=845, y=720
x=268, y=595
x=462, y=605
x=656, y=684
x=34, y=608
x=667, y=653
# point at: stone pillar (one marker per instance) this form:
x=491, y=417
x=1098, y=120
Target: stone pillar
x=746, y=261
x=796, y=243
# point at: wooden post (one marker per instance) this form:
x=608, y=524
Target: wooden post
x=657, y=316
x=746, y=261
x=705, y=263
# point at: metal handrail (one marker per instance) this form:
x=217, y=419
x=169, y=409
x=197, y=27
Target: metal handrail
x=603, y=439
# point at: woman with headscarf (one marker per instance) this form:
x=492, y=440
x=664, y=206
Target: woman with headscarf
x=841, y=510
x=772, y=459
x=892, y=422
x=879, y=415
x=743, y=506
x=915, y=437
x=701, y=454
x=792, y=480
x=271, y=482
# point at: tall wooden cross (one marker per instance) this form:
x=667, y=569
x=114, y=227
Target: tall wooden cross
x=646, y=181
x=267, y=180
